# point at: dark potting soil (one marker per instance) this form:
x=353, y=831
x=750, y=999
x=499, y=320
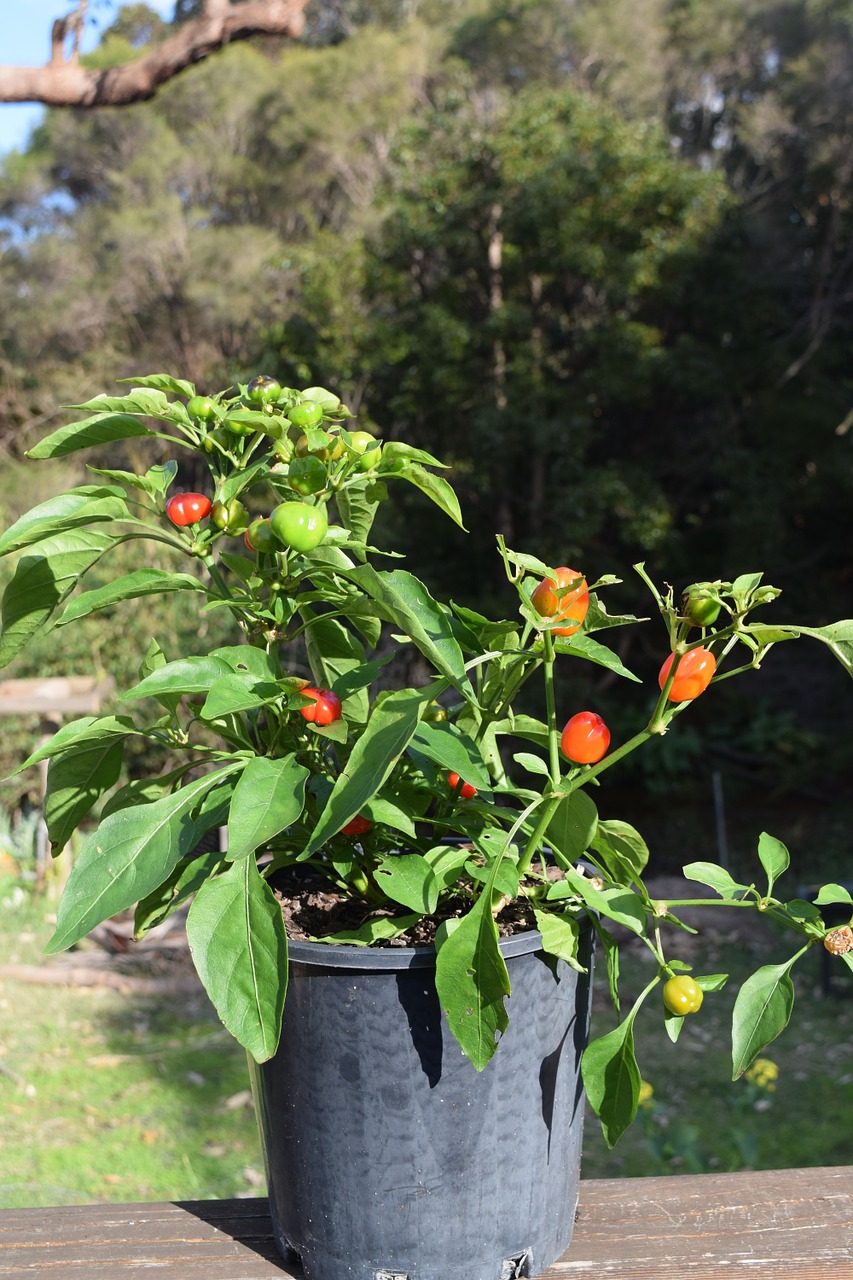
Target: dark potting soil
x=312, y=910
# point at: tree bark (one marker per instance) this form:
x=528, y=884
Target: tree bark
x=63, y=82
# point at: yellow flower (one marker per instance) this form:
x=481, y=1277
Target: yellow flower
x=763, y=1073
x=646, y=1093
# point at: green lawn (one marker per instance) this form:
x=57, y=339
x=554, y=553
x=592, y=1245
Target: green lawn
x=108, y=1097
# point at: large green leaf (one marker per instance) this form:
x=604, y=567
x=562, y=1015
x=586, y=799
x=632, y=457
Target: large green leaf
x=583, y=646
x=560, y=937
x=472, y=983
x=87, y=504
x=622, y=849
x=435, y=487
x=268, y=797
x=409, y=879
x=185, y=880
x=185, y=675
x=405, y=601
x=131, y=586
x=75, y=780
x=762, y=1010
x=149, y=401
x=237, y=692
x=386, y=736
x=102, y=428
x=239, y=948
x=453, y=750
x=573, y=826
x=245, y=657
x=716, y=877
x=163, y=382
x=132, y=852
x=838, y=637
x=356, y=510
x=334, y=653
x=43, y=581
x=611, y=1078
x=79, y=734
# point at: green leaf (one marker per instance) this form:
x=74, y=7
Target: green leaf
x=386, y=736
x=97, y=430
x=715, y=877
x=87, y=504
x=774, y=856
x=622, y=849
x=132, y=586
x=533, y=764
x=155, y=482
x=163, y=382
x=711, y=981
x=560, y=937
x=239, y=948
x=838, y=637
x=435, y=487
x=334, y=653
x=76, y=780
x=149, y=401
x=583, y=646
x=610, y=947
x=43, y=581
x=453, y=750
x=472, y=983
x=357, y=512
x=616, y=903
x=186, y=879
x=360, y=677
x=573, y=826
x=268, y=797
x=446, y=861
x=237, y=692
x=376, y=929
x=245, y=657
x=832, y=893
x=405, y=601
x=393, y=451
x=408, y=878
x=611, y=1078
x=762, y=1010
x=743, y=586
x=127, y=857
x=185, y=675
x=79, y=734
x=384, y=809
x=141, y=791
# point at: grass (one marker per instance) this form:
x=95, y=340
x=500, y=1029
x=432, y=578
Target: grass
x=110, y=1098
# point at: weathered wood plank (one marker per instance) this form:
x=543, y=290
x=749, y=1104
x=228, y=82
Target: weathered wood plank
x=793, y=1224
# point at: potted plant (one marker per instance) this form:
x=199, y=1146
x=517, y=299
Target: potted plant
x=425, y=861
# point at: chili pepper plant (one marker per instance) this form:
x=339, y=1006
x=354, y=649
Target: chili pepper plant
x=438, y=805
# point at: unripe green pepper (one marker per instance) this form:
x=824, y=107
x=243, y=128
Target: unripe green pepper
x=232, y=517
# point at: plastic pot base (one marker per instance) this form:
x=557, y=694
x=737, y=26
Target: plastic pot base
x=388, y=1156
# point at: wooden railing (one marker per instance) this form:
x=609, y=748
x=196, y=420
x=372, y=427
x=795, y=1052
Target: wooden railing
x=794, y=1224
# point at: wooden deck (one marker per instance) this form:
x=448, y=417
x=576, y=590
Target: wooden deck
x=795, y=1224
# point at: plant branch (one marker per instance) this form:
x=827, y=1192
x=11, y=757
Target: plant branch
x=64, y=82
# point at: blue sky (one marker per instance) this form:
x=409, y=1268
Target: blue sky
x=25, y=27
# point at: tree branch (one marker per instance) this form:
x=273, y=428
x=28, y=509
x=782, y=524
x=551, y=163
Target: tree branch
x=64, y=83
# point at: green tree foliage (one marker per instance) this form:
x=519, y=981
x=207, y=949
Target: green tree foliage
x=596, y=253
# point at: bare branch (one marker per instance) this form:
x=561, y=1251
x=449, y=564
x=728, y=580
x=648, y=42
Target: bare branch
x=63, y=82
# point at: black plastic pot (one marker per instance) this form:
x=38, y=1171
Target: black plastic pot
x=388, y=1156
